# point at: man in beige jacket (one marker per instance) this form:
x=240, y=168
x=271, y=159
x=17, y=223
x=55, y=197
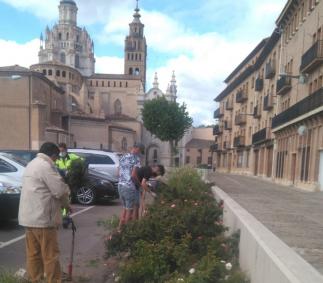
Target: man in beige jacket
x=43, y=194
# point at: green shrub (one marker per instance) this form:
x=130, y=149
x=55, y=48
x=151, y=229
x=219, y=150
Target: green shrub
x=182, y=230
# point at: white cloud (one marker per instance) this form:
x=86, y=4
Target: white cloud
x=13, y=53
x=40, y=8
x=109, y=65
x=201, y=60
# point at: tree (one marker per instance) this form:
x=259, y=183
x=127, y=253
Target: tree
x=166, y=120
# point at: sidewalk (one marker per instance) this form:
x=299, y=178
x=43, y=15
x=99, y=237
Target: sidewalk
x=296, y=217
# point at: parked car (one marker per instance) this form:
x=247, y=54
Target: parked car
x=99, y=160
x=27, y=155
x=12, y=166
x=10, y=190
x=99, y=186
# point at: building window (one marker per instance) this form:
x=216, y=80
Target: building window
x=44, y=72
x=50, y=72
x=139, y=56
x=240, y=159
x=155, y=155
x=58, y=73
x=63, y=74
x=117, y=107
x=128, y=56
x=90, y=83
x=137, y=72
x=120, y=84
x=126, y=84
x=77, y=61
x=67, y=36
x=59, y=36
x=124, y=144
x=102, y=83
x=77, y=38
x=96, y=83
x=187, y=161
x=114, y=84
x=209, y=160
x=198, y=160
x=305, y=152
x=130, y=71
x=108, y=83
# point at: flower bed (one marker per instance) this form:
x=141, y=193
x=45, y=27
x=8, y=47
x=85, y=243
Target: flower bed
x=181, y=238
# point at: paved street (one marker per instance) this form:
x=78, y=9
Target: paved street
x=89, y=248
x=294, y=216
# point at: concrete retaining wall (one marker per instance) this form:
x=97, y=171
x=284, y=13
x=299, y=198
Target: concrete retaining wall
x=263, y=256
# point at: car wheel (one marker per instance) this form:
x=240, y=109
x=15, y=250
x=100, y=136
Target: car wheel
x=85, y=195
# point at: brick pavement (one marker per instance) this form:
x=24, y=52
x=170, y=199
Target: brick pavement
x=295, y=216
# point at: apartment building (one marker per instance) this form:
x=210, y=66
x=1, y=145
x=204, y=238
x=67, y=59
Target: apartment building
x=270, y=115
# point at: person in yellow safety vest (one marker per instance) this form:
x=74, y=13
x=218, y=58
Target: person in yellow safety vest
x=65, y=159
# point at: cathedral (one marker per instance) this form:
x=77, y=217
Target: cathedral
x=102, y=111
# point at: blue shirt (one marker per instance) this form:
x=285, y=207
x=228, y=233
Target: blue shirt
x=127, y=162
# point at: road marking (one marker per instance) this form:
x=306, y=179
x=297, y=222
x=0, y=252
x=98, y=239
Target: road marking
x=5, y=244
x=232, y=180
x=81, y=211
x=8, y=243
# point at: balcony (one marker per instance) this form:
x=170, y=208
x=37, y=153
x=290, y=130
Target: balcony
x=260, y=136
x=229, y=104
x=241, y=96
x=228, y=125
x=312, y=57
x=268, y=102
x=284, y=85
x=269, y=70
x=259, y=84
x=240, y=119
x=302, y=107
x=239, y=141
x=257, y=112
x=217, y=130
x=218, y=113
x=215, y=147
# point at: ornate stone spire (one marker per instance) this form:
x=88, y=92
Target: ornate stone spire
x=136, y=15
x=156, y=84
x=173, y=87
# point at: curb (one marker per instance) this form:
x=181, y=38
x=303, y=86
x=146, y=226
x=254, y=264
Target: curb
x=263, y=256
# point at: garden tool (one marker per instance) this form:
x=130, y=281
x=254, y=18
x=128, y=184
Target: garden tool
x=70, y=265
x=67, y=220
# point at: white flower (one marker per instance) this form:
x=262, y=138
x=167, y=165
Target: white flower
x=222, y=261
x=180, y=279
x=192, y=270
x=117, y=279
x=228, y=266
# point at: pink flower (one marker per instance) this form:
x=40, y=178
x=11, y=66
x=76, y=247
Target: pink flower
x=196, y=204
x=173, y=206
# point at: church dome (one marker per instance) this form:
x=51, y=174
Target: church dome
x=68, y=2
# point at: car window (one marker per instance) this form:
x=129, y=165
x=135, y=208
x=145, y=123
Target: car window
x=17, y=158
x=99, y=159
x=6, y=167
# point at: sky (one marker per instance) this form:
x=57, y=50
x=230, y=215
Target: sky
x=201, y=40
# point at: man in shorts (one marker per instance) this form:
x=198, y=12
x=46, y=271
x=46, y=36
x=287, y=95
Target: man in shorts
x=126, y=187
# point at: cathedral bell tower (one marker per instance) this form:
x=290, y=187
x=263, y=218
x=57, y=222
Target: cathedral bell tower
x=136, y=49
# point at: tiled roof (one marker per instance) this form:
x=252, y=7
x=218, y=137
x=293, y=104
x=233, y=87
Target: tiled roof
x=199, y=143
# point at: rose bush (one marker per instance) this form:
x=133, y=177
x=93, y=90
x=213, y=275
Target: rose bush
x=182, y=232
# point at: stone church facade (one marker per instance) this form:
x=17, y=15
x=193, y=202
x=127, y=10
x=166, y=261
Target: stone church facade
x=100, y=111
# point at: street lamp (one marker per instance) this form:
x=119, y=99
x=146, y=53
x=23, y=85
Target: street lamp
x=302, y=78
x=69, y=123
